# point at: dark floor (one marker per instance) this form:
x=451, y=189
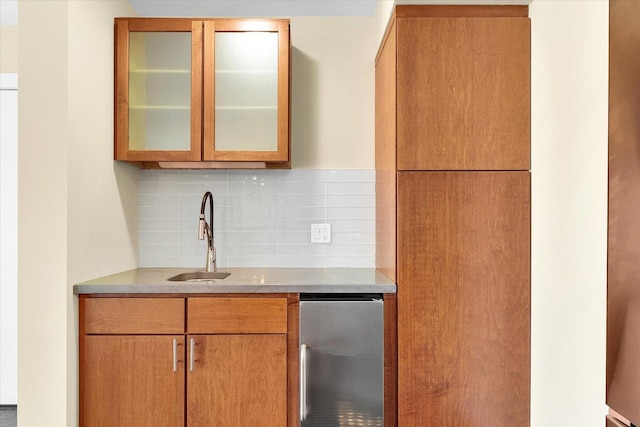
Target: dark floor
x=8, y=416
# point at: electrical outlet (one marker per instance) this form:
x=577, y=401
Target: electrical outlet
x=320, y=233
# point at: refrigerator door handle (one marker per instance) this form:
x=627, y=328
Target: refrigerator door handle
x=303, y=381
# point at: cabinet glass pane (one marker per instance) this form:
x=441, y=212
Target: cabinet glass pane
x=160, y=91
x=246, y=91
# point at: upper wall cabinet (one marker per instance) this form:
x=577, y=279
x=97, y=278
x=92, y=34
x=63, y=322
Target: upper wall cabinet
x=463, y=88
x=202, y=93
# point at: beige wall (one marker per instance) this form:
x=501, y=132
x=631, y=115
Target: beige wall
x=77, y=211
x=8, y=48
x=42, y=215
x=569, y=105
x=332, y=107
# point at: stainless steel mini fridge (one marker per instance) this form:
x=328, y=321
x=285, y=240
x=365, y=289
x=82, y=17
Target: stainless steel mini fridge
x=341, y=360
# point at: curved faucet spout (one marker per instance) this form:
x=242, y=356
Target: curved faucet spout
x=206, y=230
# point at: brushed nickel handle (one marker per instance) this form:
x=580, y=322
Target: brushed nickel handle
x=303, y=381
x=175, y=355
x=192, y=346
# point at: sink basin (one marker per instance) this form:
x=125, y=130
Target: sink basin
x=199, y=276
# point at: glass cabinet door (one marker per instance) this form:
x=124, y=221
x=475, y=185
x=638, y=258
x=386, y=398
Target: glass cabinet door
x=158, y=89
x=246, y=90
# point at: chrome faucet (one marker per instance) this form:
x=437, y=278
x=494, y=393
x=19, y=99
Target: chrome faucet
x=204, y=229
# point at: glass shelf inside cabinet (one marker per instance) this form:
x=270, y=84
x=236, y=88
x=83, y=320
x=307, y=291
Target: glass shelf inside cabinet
x=246, y=91
x=160, y=91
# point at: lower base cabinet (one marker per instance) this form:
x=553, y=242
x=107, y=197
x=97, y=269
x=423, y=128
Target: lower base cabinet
x=130, y=381
x=238, y=380
x=135, y=370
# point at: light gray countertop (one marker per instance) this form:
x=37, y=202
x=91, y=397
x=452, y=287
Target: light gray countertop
x=243, y=280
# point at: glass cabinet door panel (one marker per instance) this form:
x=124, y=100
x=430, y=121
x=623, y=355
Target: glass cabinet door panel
x=159, y=91
x=246, y=91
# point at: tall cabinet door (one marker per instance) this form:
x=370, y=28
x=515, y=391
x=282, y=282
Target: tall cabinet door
x=246, y=90
x=237, y=380
x=463, y=87
x=463, y=298
x=133, y=381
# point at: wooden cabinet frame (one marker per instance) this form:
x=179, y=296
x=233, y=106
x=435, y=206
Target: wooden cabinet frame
x=209, y=144
x=202, y=152
x=121, y=105
x=453, y=218
x=161, y=312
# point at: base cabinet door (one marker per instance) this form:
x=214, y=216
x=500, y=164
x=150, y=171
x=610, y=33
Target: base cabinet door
x=237, y=380
x=463, y=299
x=133, y=381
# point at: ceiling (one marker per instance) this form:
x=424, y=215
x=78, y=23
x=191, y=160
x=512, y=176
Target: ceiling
x=8, y=12
x=254, y=8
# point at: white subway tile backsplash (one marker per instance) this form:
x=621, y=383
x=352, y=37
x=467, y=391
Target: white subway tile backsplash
x=150, y=261
x=353, y=238
x=253, y=187
x=252, y=261
x=198, y=188
x=161, y=225
x=204, y=176
x=151, y=199
x=253, y=201
x=351, y=176
x=351, y=187
x=286, y=200
x=253, y=249
x=299, y=237
x=317, y=175
x=301, y=212
x=158, y=187
x=307, y=249
x=350, y=213
x=158, y=212
x=351, y=250
x=352, y=225
x=158, y=175
x=302, y=261
x=247, y=224
x=242, y=237
x=166, y=237
x=300, y=187
x=160, y=250
x=351, y=200
x=351, y=262
x=262, y=217
x=299, y=224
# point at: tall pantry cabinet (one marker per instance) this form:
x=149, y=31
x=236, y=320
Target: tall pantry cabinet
x=453, y=210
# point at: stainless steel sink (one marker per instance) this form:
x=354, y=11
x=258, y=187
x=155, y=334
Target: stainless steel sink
x=199, y=276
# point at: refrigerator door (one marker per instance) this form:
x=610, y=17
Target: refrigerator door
x=341, y=365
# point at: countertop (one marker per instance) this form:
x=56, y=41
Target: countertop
x=243, y=280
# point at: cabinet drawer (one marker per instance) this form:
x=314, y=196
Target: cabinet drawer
x=236, y=315
x=134, y=315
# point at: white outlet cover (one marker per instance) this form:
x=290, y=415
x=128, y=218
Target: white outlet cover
x=320, y=233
